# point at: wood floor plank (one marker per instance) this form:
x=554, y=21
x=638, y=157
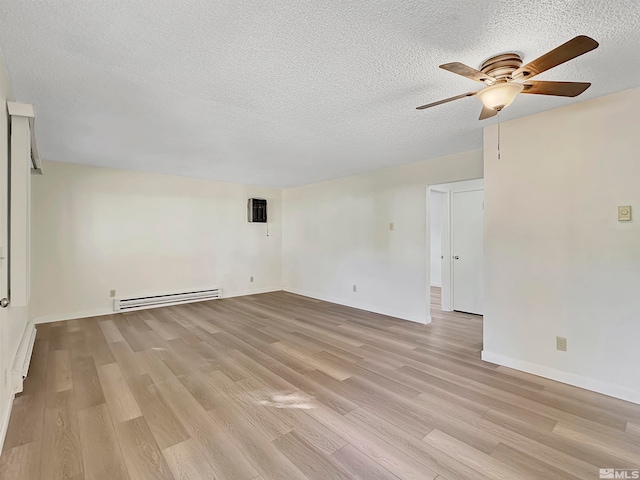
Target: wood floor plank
x=476, y=459
x=60, y=370
x=431, y=458
x=616, y=445
x=97, y=344
x=129, y=362
x=263, y=454
x=257, y=415
x=137, y=341
x=187, y=463
x=566, y=454
x=61, y=452
x=58, y=338
x=21, y=463
x=291, y=410
x=633, y=428
x=316, y=360
x=313, y=464
x=159, y=327
x=279, y=386
x=394, y=460
x=86, y=383
x=313, y=388
x=122, y=404
x=163, y=423
x=359, y=466
x=154, y=366
x=395, y=409
x=202, y=390
x=96, y=430
x=521, y=461
x=110, y=331
x=215, y=444
x=142, y=456
x=26, y=421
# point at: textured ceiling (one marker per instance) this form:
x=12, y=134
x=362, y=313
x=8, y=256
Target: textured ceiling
x=286, y=92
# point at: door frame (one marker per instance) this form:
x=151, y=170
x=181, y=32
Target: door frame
x=446, y=294
x=447, y=244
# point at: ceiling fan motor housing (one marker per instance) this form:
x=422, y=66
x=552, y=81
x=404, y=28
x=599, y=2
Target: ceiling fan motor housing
x=501, y=66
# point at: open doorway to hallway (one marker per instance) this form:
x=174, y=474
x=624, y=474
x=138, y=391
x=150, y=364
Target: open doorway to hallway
x=455, y=220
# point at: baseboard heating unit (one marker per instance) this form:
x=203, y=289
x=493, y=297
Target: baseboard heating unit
x=170, y=298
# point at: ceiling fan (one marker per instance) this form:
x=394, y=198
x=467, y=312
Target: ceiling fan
x=506, y=77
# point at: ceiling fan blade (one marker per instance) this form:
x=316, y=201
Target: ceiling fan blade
x=466, y=71
x=559, y=89
x=487, y=113
x=565, y=52
x=446, y=100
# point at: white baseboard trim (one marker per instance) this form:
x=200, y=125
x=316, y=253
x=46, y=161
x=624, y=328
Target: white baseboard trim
x=616, y=391
x=59, y=317
x=244, y=293
x=23, y=357
x=361, y=306
x=8, y=401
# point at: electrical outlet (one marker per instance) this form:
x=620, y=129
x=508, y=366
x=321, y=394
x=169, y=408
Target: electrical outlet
x=354, y=288
x=112, y=293
x=561, y=344
x=392, y=226
x=251, y=279
x=624, y=213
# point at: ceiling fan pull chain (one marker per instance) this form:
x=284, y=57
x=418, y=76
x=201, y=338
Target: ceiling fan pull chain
x=498, y=136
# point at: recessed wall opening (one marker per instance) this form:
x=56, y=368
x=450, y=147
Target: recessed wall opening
x=455, y=224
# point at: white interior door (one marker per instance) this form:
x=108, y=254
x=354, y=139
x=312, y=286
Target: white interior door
x=467, y=250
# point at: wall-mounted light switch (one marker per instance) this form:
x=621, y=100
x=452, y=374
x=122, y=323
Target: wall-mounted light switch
x=624, y=213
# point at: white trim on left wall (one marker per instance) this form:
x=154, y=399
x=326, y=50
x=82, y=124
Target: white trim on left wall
x=7, y=415
x=22, y=358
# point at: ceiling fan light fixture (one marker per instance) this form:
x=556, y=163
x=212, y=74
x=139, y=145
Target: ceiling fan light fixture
x=500, y=95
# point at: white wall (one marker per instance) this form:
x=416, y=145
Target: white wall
x=98, y=229
x=436, y=211
x=557, y=261
x=336, y=234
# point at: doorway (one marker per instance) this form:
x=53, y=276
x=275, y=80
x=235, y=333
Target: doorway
x=439, y=223
x=456, y=247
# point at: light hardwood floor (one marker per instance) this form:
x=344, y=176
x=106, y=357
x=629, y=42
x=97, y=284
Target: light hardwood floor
x=278, y=386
